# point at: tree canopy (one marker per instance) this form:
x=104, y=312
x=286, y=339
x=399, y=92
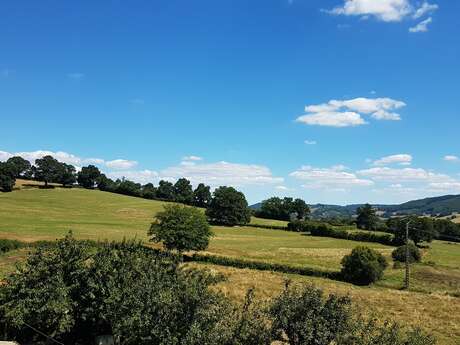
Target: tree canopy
x=228, y=207
x=283, y=209
x=88, y=176
x=181, y=228
x=367, y=218
x=47, y=169
x=202, y=195
x=19, y=166
x=7, y=177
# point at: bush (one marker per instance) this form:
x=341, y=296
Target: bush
x=7, y=245
x=181, y=228
x=363, y=266
x=304, y=317
x=360, y=236
x=399, y=254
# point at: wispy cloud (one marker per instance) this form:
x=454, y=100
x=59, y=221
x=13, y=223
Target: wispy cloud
x=121, y=164
x=451, y=158
x=422, y=26
x=424, y=9
x=310, y=142
x=401, y=159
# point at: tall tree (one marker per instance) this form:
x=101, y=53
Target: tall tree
x=19, y=166
x=7, y=178
x=420, y=229
x=183, y=191
x=301, y=208
x=367, y=218
x=47, y=169
x=88, y=176
x=148, y=191
x=165, y=190
x=67, y=175
x=228, y=207
x=202, y=195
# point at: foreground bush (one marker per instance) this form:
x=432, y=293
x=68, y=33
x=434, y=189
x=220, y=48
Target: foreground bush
x=74, y=290
x=181, y=228
x=399, y=254
x=363, y=266
x=304, y=316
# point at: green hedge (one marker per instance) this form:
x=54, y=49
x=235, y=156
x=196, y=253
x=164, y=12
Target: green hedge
x=263, y=226
x=262, y=266
x=361, y=236
x=7, y=245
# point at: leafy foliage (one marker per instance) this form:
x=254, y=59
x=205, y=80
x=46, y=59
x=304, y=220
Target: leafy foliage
x=367, y=218
x=181, y=228
x=47, y=169
x=282, y=209
x=202, y=195
x=228, y=207
x=19, y=166
x=305, y=318
x=183, y=191
x=88, y=176
x=363, y=266
x=399, y=254
x=420, y=229
x=7, y=178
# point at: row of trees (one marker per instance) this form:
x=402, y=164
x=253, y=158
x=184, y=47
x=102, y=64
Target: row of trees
x=74, y=291
x=283, y=209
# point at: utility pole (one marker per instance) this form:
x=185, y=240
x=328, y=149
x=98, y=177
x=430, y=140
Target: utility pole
x=407, y=256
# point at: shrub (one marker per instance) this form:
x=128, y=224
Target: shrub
x=399, y=254
x=304, y=317
x=7, y=245
x=181, y=228
x=363, y=266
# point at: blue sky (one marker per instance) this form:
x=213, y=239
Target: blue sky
x=337, y=101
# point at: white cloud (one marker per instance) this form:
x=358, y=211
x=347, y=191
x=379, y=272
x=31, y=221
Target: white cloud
x=345, y=113
x=75, y=76
x=403, y=175
x=284, y=188
x=424, y=9
x=329, y=178
x=445, y=187
x=121, y=164
x=192, y=158
x=310, y=142
x=332, y=119
x=385, y=10
x=402, y=159
x=222, y=173
x=422, y=26
x=141, y=176
x=451, y=158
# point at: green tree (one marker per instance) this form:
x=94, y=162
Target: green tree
x=7, y=179
x=165, y=191
x=202, y=195
x=88, y=176
x=181, y=228
x=228, y=207
x=67, y=175
x=183, y=191
x=47, y=169
x=105, y=184
x=19, y=165
x=149, y=191
x=420, y=229
x=367, y=218
x=305, y=317
x=301, y=208
x=363, y=266
x=128, y=187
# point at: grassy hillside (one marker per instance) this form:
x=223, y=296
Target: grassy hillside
x=31, y=214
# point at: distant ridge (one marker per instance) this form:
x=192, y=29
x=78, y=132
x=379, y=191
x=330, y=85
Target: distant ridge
x=435, y=206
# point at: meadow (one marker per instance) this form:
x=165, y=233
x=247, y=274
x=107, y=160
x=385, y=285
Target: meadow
x=31, y=214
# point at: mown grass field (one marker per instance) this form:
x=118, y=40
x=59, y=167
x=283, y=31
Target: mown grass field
x=31, y=214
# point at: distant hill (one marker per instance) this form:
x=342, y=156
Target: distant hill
x=435, y=206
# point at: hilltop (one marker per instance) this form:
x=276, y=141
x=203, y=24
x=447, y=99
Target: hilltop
x=435, y=206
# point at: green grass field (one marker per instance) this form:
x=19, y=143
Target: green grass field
x=31, y=214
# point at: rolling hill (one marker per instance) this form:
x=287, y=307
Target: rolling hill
x=435, y=206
